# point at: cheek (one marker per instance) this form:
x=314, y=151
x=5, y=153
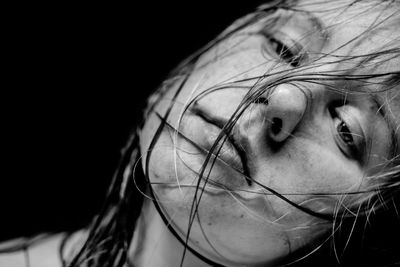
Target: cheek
x=327, y=171
x=309, y=167
x=311, y=176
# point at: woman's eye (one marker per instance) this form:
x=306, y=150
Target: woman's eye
x=290, y=54
x=348, y=132
x=346, y=139
x=345, y=134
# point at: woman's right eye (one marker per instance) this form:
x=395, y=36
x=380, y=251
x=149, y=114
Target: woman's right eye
x=290, y=55
x=285, y=48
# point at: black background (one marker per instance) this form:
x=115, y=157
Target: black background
x=76, y=77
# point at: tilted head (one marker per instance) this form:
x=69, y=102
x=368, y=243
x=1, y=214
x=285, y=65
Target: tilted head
x=299, y=100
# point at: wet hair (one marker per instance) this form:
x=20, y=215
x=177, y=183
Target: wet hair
x=364, y=224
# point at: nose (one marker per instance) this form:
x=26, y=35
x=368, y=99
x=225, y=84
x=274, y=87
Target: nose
x=273, y=117
x=285, y=107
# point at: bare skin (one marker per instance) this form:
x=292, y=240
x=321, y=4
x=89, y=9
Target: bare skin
x=43, y=254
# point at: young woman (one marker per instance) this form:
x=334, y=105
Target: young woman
x=275, y=144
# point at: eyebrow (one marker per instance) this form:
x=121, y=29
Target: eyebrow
x=314, y=21
x=317, y=23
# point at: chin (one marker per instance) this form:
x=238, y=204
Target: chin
x=224, y=230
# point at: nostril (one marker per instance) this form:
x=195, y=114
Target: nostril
x=276, y=126
x=261, y=100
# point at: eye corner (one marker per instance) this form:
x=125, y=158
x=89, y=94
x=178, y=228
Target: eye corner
x=335, y=104
x=332, y=108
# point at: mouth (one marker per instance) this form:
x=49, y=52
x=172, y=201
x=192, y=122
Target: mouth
x=221, y=143
x=212, y=140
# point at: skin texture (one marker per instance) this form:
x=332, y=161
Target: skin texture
x=288, y=142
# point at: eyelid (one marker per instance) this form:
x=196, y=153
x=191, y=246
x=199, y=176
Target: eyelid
x=293, y=47
x=291, y=43
x=302, y=28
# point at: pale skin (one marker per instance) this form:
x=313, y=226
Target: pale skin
x=235, y=226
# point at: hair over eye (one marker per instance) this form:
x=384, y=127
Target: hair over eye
x=287, y=54
x=286, y=49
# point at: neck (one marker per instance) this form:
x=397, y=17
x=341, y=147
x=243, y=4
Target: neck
x=154, y=245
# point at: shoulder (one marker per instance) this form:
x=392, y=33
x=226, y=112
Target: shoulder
x=40, y=251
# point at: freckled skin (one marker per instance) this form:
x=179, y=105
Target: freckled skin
x=235, y=226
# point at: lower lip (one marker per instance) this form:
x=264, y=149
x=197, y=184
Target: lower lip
x=207, y=134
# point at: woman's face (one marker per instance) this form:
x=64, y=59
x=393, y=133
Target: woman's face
x=303, y=140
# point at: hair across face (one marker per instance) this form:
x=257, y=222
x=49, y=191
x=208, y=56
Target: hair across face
x=258, y=145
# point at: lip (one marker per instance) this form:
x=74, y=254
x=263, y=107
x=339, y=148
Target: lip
x=206, y=133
